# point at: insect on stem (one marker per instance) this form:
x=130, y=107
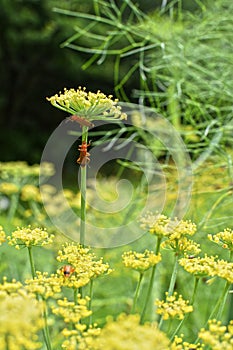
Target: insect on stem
x=83, y=159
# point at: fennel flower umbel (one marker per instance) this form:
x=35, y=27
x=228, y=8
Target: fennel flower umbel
x=87, y=105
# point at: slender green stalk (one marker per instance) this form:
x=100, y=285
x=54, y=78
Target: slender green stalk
x=13, y=206
x=44, y=313
x=151, y=283
x=46, y=328
x=187, y=315
x=83, y=192
x=90, y=301
x=76, y=296
x=32, y=264
x=172, y=283
x=137, y=292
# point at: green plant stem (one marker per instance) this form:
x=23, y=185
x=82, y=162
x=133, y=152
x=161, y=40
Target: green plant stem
x=13, y=206
x=83, y=192
x=172, y=283
x=137, y=292
x=32, y=264
x=44, y=313
x=186, y=315
x=46, y=328
x=90, y=301
x=151, y=283
x=75, y=296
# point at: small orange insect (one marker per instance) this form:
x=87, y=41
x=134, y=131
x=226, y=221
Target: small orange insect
x=83, y=159
x=80, y=120
x=67, y=270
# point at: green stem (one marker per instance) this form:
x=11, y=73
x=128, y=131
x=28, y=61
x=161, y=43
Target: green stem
x=75, y=296
x=172, y=283
x=187, y=315
x=151, y=283
x=13, y=206
x=137, y=292
x=46, y=328
x=90, y=302
x=32, y=264
x=83, y=192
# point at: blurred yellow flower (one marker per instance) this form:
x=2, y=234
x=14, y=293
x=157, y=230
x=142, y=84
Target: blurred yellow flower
x=217, y=336
x=8, y=188
x=2, y=235
x=30, y=193
x=20, y=320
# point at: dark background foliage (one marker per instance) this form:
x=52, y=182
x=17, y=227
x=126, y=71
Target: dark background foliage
x=33, y=66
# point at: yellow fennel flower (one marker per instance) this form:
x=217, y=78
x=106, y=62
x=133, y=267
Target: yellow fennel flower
x=224, y=239
x=173, y=306
x=182, y=245
x=200, y=267
x=127, y=333
x=179, y=344
x=8, y=188
x=87, y=105
x=217, y=336
x=2, y=235
x=12, y=287
x=84, y=262
x=140, y=261
x=44, y=285
x=71, y=312
x=20, y=320
x=30, y=193
x=28, y=236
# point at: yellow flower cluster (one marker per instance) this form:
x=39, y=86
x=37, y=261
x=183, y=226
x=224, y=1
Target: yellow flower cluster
x=44, y=285
x=182, y=245
x=140, y=261
x=127, y=333
x=30, y=193
x=179, y=344
x=8, y=188
x=21, y=170
x=2, y=235
x=87, y=105
x=161, y=225
x=84, y=262
x=200, y=267
x=12, y=287
x=71, y=312
x=20, y=320
x=28, y=236
x=218, y=336
x=208, y=266
x=224, y=239
x=85, y=340
x=173, y=307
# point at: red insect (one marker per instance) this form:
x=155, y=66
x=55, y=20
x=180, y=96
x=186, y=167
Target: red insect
x=80, y=120
x=67, y=270
x=83, y=159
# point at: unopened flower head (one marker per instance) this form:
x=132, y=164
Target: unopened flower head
x=87, y=105
x=127, y=333
x=28, y=237
x=224, y=239
x=173, y=306
x=2, y=235
x=20, y=320
x=217, y=336
x=140, y=261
